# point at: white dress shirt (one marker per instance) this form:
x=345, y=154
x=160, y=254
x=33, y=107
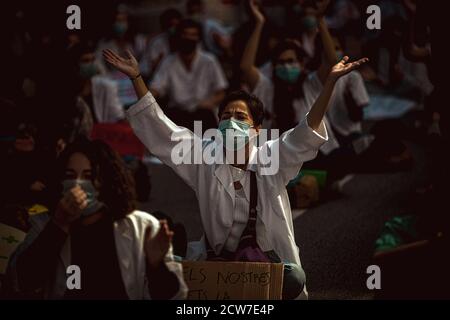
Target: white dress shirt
x=241, y=213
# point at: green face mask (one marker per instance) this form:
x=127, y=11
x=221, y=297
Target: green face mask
x=339, y=55
x=88, y=70
x=238, y=133
x=310, y=22
x=288, y=73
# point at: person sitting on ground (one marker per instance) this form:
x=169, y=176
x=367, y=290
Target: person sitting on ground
x=244, y=208
x=191, y=78
x=122, y=253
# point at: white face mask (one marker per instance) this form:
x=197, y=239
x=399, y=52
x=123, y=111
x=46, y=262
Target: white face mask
x=93, y=205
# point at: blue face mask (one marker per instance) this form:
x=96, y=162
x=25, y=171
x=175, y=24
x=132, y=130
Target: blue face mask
x=88, y=70
x=288, y=73
x=120, y=28
x=238, y=133
x=93, y=205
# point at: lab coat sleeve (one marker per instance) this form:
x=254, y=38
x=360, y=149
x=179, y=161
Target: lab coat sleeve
x=172, y=144
x=297, y=146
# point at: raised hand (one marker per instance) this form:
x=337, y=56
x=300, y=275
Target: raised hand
x=70, y=207
x=156, y=247
x=343, y=67
x=254, y=6
x=127, y=65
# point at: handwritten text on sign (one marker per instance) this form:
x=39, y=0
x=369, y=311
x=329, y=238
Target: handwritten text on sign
x=233, y=280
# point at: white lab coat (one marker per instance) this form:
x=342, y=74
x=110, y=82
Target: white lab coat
x=213, y=184
x=129, y=235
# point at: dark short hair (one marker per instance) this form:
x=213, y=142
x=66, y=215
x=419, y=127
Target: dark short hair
x=168, y=15
x=287, y=45
x=117, y=187
x=187, y=24
x=253, y=103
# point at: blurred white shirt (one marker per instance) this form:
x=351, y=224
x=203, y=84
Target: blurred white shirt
x=187, y=88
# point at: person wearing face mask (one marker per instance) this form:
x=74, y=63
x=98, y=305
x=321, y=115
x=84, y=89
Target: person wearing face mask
x=98, y=97
x=122, y=38
x=122, y=253
x=245, y=212
x=284, y=92
x=310, y=29
x=161, y=45
x=216, y=38
x=191, y=79
x=291, y=91
x=349, y=99
x=344, y=118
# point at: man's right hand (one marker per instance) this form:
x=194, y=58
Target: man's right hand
x=70, y=207
x=127, y=65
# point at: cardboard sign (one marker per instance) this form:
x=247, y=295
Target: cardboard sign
x=10, y=238
x=233, y=280
x=120, y=137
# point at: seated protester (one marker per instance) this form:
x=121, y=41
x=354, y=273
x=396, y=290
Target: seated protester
x=310, y=29
x=245, y=211
x=349, y=99
x=344, y=17
x=344, y=116
x=192, y=80
x=97, y=95
x=290, y=92
x=161, y=45
x=283, y=93
x=122, y=253
x=26, y=169
x=268, y=40
x=216, y=37
x=122, y=38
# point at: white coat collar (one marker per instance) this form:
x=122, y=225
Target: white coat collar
x=223, y=173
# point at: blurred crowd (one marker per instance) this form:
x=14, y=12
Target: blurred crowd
x=58, y=93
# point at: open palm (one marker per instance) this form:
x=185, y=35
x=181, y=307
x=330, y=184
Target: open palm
x=343, y=67
x=128, y=65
